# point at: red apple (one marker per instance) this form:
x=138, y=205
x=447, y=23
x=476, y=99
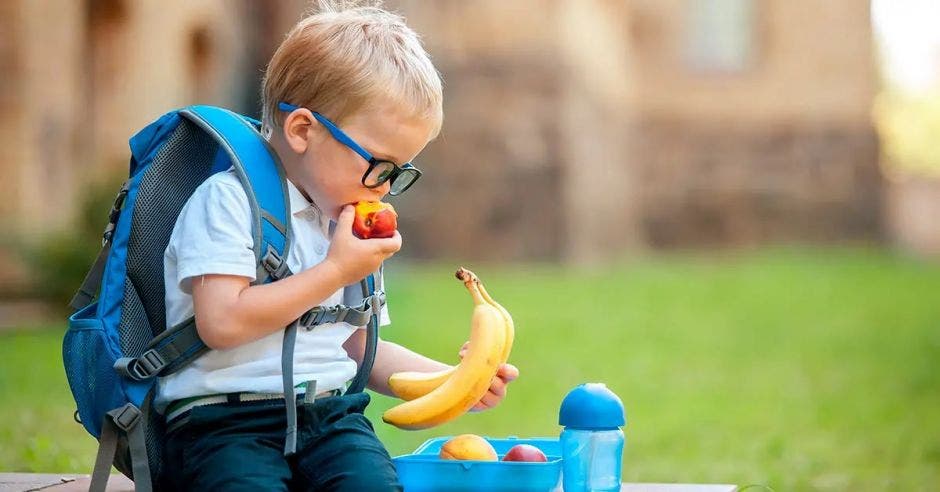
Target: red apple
x=374, y=220
x=525, y=452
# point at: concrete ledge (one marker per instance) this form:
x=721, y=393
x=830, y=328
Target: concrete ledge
x=17, y=482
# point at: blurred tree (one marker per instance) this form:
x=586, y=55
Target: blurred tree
x=59, y=260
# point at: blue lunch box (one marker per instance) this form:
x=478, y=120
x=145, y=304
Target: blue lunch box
x=424, y=471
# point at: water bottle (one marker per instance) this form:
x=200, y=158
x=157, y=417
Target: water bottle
x=592, y=441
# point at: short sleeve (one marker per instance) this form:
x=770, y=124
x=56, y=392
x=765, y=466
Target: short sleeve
x=213, y=232
x=352, y=296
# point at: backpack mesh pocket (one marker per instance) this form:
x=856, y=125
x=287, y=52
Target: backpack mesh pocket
x=89, y=366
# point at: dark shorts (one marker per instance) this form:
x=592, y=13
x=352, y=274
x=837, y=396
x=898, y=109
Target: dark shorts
x=239, y=446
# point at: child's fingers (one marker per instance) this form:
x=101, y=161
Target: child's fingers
x=491, y=398
x=507, y=372
x=388, y=245
x=463, y=350
x=497, y=387
x=483, y=404
x=345, y=219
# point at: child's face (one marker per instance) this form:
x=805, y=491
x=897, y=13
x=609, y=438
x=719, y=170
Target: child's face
x=332, y=173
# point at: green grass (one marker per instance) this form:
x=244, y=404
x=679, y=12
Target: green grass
x=799, y=369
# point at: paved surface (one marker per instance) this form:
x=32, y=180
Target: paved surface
x=10, y=482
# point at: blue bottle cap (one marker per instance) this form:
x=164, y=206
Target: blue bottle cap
x=591, y=406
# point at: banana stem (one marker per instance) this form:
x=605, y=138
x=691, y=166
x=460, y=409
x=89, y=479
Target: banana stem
x=472, y=282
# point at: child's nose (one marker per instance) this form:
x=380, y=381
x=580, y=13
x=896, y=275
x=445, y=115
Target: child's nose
x=384, y=187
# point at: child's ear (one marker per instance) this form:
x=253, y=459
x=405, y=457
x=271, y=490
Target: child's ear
x=297, y=129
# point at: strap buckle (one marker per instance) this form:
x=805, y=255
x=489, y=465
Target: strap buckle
x=125, y=417
x=274, y=264
x=115, y=213
x=149, y=364
x=376, y=301
x=271, y=261
x=377, y=298
x=355, y=315
x=320, y=315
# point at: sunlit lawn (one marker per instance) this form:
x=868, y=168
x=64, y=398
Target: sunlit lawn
x=799, y=369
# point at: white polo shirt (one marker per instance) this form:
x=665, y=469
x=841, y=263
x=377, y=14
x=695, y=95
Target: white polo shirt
x=212, y=235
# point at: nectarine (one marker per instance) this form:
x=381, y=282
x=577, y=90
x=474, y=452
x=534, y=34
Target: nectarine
x=374, y=219
x=525, y=452
x=468, y=447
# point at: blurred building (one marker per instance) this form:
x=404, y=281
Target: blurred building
x=574, y=129
x=81, y=76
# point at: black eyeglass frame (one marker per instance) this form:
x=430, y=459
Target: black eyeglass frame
x=343, y=138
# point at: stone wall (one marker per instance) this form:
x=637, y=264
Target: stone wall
x=532, y=160
x=720, y=185
x=779, y=147
x=492, y=178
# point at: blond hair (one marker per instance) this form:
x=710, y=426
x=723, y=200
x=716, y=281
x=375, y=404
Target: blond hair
x=344, y=58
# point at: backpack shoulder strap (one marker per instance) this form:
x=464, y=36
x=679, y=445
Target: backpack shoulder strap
x=262, y=177
x=375, y=297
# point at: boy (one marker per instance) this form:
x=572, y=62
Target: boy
x=358, y=74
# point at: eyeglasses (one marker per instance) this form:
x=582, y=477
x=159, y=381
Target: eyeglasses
x=380, y=171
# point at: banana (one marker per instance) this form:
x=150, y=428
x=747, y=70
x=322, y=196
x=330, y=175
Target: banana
x=409, y=385
x=507, y=319
x=470, y=379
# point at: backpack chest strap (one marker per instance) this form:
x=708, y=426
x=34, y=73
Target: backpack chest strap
x=180, y=344
x=354, y=315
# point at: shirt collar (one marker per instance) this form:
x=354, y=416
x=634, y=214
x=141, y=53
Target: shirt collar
x=298, y=202
x=301, y=208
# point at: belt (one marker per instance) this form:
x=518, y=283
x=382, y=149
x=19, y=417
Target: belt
x=181, y=408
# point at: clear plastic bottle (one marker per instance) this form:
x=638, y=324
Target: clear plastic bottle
x=592, y=441
x=592, y=459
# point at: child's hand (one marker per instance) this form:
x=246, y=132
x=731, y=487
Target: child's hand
x=506, y=374
x=353, y=257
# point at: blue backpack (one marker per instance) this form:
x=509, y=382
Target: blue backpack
x=118, y=343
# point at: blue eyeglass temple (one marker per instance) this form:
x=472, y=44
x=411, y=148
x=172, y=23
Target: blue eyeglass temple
x=333, y=129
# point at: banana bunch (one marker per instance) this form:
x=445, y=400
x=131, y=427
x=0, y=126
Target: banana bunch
x=433, y=398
